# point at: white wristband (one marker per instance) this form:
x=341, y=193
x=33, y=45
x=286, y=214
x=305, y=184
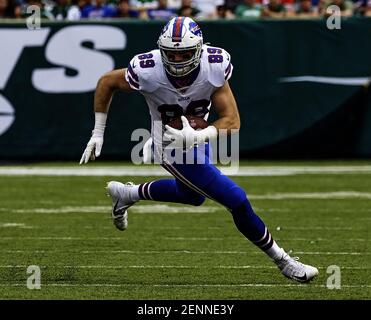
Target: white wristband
x=100, y=124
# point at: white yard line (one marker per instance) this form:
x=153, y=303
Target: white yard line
x=166, y=267
x=139, y=252
x=129, y=285
x=61, y=238
x=319, y=228
x=153, y=208
x=15, y=225
x=146, y=171
x=175, y=209
x=313, y=195
x=164, y=238
x=142, y=267
x=277, y=229
x=172, y=208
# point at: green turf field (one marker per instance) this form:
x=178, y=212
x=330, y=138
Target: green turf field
x=62, y=224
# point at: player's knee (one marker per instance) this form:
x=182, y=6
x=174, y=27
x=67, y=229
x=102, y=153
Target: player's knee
x=197, y=200
x=242, y=208
x=189, y=196
x=238, y=194
x=233, y=197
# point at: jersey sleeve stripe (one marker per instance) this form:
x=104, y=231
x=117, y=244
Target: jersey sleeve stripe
x=228, y=68
x=229, y=74
x=133, y=83
x=133, y=75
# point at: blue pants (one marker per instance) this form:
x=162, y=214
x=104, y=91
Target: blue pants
x=193, y=183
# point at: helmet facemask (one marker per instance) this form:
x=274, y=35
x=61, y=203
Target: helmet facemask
x=186, y=65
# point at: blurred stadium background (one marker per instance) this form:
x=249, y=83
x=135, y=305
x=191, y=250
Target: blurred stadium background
x=305, y=145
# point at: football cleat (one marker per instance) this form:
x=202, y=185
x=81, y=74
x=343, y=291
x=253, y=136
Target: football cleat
x=295, y=270
x=121, y=202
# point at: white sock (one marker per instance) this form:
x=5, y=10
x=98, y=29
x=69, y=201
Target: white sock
x=134, y=193
x=275, y=252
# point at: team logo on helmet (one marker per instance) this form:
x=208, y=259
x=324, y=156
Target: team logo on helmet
x=195, y=29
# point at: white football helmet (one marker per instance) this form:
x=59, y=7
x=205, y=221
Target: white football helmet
x=181, y=35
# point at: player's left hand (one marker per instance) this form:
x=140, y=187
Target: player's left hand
x=93, y=149
x=185, y=137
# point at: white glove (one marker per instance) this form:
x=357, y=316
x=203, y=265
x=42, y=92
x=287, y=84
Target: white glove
x=92, y=150
x=188, y=137
x=94, y=147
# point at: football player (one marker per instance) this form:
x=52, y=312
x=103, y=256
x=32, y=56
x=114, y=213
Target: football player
x=185, y=77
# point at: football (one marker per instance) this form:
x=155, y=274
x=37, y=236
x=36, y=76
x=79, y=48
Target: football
x=196, y=123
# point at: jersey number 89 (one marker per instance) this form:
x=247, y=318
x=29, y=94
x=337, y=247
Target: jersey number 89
x=215, y=55
x=198, y=108
x=146, y=60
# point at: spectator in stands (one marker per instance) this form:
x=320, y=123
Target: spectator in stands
x=99, y=10
x=22, y=13
x=233, y=4
x=223, y=12
x=321, y=4
x=187, y=9
x=74, y=12
x=248, y=9
x=174, y=4
x=124, y=10
x=368, y=9
x=290, y=6
x=60, y=9
x=305, y=9
x=274, y=9
x=361, y=7
x=208, y=8
x=162, y=12
x=141, y=5
x=346, y=7
x=6, y=9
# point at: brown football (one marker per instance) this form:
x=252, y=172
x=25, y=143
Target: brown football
x=196, y=123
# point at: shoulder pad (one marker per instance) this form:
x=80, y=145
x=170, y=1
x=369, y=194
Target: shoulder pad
x=143, y=71
x=219, y=63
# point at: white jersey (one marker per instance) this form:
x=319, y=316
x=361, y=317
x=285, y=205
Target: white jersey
x=147, y=75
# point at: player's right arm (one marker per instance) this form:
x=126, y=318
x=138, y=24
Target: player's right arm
x=107, y=85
